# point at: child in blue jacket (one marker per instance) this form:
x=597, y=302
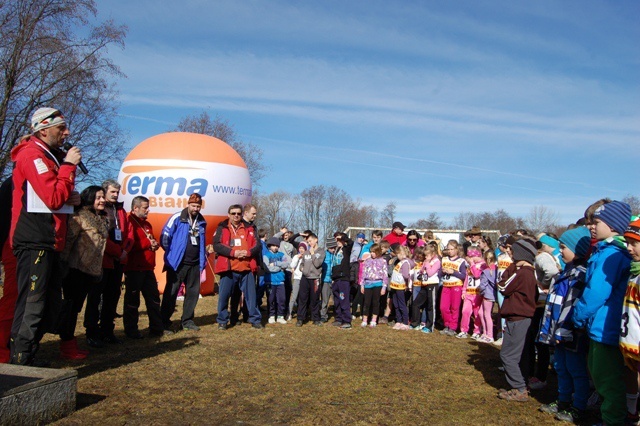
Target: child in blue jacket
x=599, y=309
x=556, y=328
x=276, y=263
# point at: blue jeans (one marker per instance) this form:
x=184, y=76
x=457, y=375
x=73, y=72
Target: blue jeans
x=573, y=377
x=503, y=323
x=246, y=283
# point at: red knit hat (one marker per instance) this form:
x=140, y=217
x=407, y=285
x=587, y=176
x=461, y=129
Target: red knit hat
x=195, y=198
x=633, y=230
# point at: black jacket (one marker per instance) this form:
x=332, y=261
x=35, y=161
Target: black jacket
x=342, y=270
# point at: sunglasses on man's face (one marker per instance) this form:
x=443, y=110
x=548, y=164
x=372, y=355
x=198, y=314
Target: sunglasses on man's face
x=235, y=213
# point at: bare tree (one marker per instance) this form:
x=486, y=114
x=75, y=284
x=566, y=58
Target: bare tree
x=463, y=220
x=276, y=210
x=388, y=215
x=322, y=209
x=220, y=128
x=542, y=219
x=358, y=215
x=47, y=62
x=500, y=220
x=337, y=204
x=312, y=201
x=504, y=222
x=432, y=221
x=634, y=203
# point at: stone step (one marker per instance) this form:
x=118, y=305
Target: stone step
x=31, y=395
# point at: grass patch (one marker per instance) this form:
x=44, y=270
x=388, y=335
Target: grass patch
x=287, y=375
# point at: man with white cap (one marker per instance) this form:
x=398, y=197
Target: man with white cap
x=43, y=182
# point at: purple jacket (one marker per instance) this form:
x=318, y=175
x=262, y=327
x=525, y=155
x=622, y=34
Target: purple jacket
x=374, y=270
x=488, y=283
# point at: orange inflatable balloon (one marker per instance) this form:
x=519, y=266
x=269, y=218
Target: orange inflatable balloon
x=167, y=168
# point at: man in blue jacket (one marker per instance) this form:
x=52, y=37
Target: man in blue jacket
x=183, y=240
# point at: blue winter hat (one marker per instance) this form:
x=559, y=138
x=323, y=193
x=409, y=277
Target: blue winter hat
x=577, y=240
x=360, y=235
x=616, y=214
x=550, y=241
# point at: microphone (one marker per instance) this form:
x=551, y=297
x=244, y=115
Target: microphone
x=84, y=170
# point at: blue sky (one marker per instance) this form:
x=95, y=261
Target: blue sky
x=440, y=106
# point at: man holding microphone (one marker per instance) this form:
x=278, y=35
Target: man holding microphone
x=43, y=196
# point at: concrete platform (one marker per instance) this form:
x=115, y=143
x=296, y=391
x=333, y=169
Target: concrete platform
x=30, y=395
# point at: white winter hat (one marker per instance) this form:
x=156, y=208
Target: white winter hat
x=46, y=117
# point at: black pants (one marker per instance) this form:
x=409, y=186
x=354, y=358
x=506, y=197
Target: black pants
x=371, y=299
x=38, y=303
x=190, y=276
x=417, y=305
x=309, y=295
x=431, y=305
x=144, y=282
x=102, y=300
x=538, y=365
x=75, y=287
x=357, y=298
x=425, y=300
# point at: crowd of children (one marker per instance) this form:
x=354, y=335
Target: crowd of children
x=577, y=295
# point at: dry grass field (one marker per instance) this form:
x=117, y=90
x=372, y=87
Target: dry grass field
x=287, y=375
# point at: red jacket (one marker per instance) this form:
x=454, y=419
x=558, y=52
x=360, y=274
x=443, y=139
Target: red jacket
x=53, y=181
x=141, y=257
x=114, y=249
x=394, y=238
x=223, y=249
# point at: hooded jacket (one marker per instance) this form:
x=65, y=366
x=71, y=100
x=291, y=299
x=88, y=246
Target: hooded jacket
x=599, y=309
x=40, y=169
x=312, y=263
x=342, y=270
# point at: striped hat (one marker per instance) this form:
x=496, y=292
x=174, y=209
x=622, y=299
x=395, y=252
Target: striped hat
x=616, y=214
x=44, y=118
x=524, y=249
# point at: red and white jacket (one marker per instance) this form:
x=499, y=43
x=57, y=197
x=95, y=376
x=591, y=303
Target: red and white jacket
x=39, y=168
